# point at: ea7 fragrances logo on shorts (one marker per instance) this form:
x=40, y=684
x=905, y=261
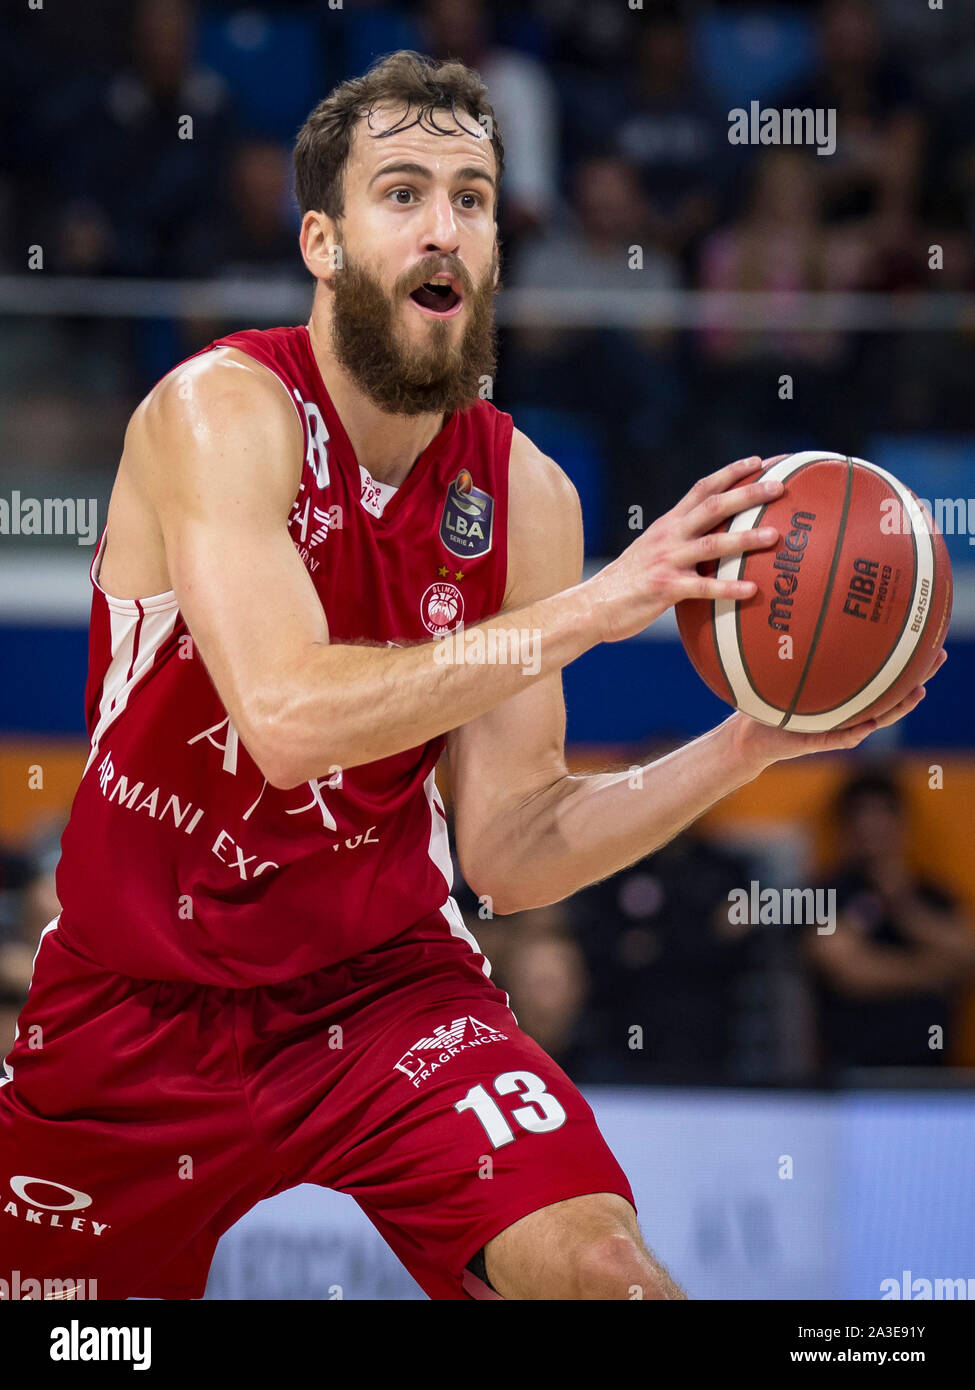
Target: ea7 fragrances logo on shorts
x=42, y=1202
x=428, y=1055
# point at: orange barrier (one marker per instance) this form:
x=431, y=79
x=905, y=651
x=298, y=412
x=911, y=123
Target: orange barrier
x=943, y=819
x=38, y=778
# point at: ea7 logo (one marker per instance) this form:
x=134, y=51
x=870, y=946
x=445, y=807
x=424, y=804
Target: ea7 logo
x=429, y=1054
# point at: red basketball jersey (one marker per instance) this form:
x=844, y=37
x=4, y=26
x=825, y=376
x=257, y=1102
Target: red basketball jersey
x=180, y=861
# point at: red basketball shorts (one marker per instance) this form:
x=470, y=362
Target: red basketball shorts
x=141, y=1119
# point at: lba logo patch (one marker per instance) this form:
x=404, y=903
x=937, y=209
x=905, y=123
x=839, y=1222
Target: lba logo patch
x=468, y=518
x=429, y=1054
x=442, y=608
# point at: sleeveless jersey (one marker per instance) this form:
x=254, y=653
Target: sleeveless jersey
x=180, y=861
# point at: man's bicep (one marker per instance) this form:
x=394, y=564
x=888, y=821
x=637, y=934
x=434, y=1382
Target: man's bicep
x=221, y=465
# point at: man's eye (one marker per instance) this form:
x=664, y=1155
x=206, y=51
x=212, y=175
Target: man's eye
x=471, y=200
x=403, y=196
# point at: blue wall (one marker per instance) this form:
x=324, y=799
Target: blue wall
x=625, y=692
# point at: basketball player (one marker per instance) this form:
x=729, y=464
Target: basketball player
x=258, y=977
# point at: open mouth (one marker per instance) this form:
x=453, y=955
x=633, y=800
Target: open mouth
x=436, y=297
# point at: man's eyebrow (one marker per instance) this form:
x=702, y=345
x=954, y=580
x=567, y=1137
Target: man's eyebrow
x=421, y=171
x=402, y=168
x=472, y=173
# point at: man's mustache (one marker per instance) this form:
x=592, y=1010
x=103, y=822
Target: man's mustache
x=434, y=265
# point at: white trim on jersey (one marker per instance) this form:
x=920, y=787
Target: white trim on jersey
x=745, y=695
x=138, y=630
x=6, y=1065
x=439, y=850
x=152, y=603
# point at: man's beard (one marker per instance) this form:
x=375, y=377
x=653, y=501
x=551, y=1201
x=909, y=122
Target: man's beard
x=399, y=376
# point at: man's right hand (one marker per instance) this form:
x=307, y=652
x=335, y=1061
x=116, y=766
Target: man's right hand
x=660, y=567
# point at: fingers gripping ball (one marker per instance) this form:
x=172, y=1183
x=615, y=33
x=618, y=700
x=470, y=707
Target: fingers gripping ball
x=852, y=603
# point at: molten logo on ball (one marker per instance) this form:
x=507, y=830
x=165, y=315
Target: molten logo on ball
x=787, y=564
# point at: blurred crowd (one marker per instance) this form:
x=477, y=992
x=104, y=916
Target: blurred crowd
x=616, y=122
x=655, y=976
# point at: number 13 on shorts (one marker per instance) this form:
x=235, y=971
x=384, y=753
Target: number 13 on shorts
x=540, y=1113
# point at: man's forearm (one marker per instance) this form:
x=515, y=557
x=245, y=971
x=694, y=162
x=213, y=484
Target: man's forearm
x=347, y=705
x=583, y=829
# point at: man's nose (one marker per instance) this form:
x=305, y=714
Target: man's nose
x=440, y=230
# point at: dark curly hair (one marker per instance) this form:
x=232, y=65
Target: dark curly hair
x=423, y=89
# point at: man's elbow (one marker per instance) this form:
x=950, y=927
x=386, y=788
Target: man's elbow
x=274, y=749
x=282, y=776
x=495, y=905
x=485, y=886
x=498, y=894
x=273, y=762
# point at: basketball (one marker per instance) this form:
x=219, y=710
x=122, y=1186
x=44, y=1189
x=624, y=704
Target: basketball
x=852, y=603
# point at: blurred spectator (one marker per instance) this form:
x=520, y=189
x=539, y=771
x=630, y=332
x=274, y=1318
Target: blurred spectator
x=536, y=961
x=11, y=1004
x=779, y=245
x=590, y=248
x=46, y=434
x=524, y=100
x=136, y=189
x=41, y=904
x=665, y=960
x=592, y=37
x=15, y=870
x=934, y=43
x=671, y=131
x=874, y=170
x=623, y=383
x=546, y=979
x=27, y=904
x=950, y=182
x=260, y=238
x=902, y=950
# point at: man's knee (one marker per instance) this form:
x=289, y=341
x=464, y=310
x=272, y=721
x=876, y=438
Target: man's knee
x=615, y=1266
x=584, y=1248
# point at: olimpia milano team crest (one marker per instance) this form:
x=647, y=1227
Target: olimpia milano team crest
x=442, y=608
x=468, y=518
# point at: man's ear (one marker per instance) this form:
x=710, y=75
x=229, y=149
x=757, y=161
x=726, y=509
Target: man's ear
x=321, y=247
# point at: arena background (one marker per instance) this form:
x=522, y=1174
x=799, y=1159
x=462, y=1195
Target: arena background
x=672, y=302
